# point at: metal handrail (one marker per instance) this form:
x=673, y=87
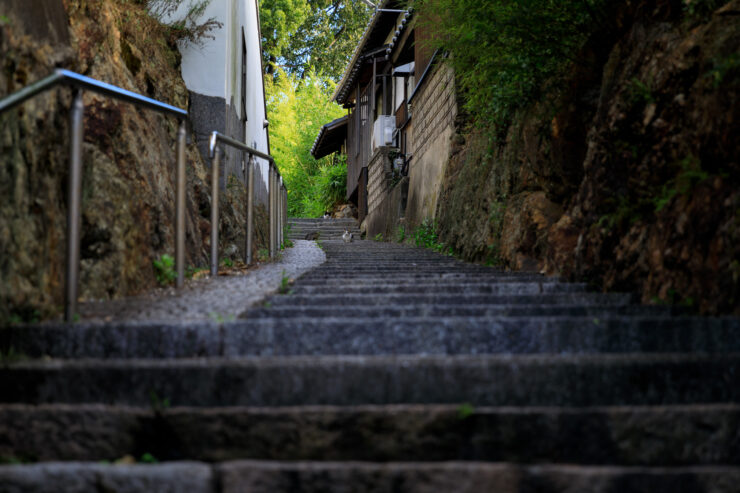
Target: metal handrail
x=63, y=76
x=278, y=198
x=80, y=83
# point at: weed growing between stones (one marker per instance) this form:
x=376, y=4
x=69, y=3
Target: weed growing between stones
x=148, y=458
x=164, y=269
x=285, y=283
x=219, y=318
x=465, y=410
x=263, y=255
x=287, y=243
x=11, y=356
x=426, y=236
x=158, y=404
x=401, y=234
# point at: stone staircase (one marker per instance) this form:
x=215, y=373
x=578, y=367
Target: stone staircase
x=388, y=368
x=328, y=229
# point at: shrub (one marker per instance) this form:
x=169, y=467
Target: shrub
x=164, y=270
x=503, y=52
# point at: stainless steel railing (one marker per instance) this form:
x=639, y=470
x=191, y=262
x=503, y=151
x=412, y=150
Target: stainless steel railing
x=80, y=83
x=277, y=198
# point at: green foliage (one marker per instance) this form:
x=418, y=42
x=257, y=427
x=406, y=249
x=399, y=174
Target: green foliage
x=263, y=254
x=723, y=68
x=158, y=404
x=297, y=109
x=31, y=315
x=220, y=318
x=10, y=356
x=503, y=52
x=164, y=270
x=497, y=211
x=690, y=175
x=640, y=92
x=401, y=234
x=426, y=236
x=305, y=36
x=4, y=21
x=465, y=410
x=378, y=237
x=285, y=284
x=148, y=458
x=227, y=262
x=191, y=271
x=701, y=10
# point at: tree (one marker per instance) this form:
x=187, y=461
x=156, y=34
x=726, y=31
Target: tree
x=301, y=36
x=297, y=108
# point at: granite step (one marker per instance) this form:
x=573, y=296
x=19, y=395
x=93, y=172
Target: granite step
x=362, y=477
x=380, y=299
x=399, y=310
x=269, y=334
x=441, y=287
x=654, y=436
x=490, y=380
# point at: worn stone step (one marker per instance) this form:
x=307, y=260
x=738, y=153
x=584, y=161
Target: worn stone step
x=336, y=335
x=443, y=287
x=452, y=310
x=326, y=278
x=420, y=266
x=655, y=436
x=94, y=477
x=363, y=477
x=550, y=380
x=585, y=299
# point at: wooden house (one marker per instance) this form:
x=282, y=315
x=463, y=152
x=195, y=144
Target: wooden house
x=401, y=107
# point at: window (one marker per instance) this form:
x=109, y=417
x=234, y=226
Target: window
x=244, y=78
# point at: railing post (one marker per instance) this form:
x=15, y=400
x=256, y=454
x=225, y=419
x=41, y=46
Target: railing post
x=281, y=240
x=215, y=162
x=250, y=208
x=74, y=198
x=180, y=206
x=271, y=201
x=284, y=198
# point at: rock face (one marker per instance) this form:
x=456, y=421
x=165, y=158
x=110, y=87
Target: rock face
x=128, y=154
x=629, y=177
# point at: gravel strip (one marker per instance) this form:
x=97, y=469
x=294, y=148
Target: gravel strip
x=215, y=299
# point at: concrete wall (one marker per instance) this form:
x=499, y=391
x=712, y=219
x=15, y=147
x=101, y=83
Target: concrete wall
x=434, y=108
x=212, y=74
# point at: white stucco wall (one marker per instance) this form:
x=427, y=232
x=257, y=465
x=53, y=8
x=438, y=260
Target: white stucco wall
x=214, y=69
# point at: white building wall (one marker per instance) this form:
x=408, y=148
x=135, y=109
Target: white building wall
x=212, y=74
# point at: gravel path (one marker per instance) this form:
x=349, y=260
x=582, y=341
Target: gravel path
x=221, y=299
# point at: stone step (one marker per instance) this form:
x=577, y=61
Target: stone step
x=450, y=310
x=326, y=278
x=295, y=231
x=266, y=335
x=362, y=477
x=655, y=436
x=549, y=380
x=429, y=266
x=585, y=299
x=441, y=287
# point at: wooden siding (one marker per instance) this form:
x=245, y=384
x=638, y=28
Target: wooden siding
x=359, y=134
